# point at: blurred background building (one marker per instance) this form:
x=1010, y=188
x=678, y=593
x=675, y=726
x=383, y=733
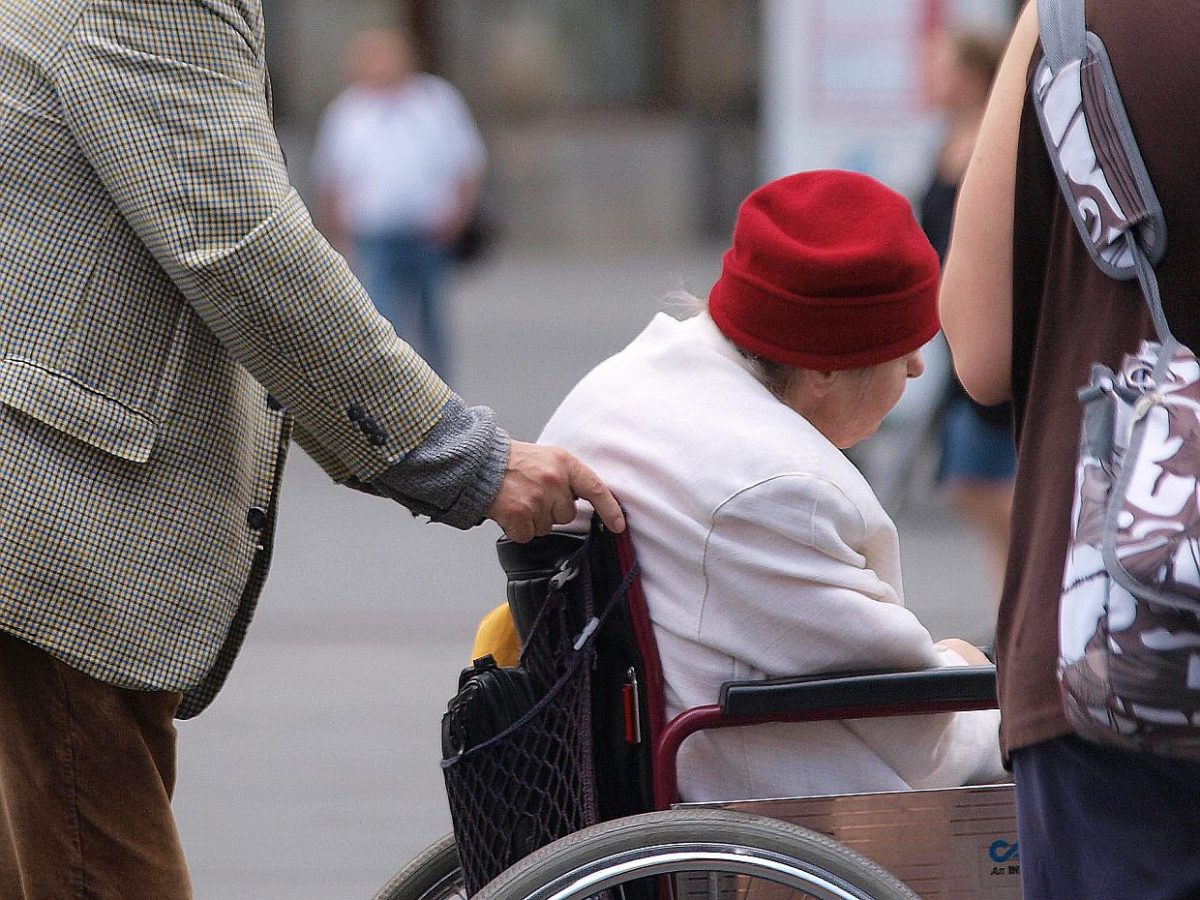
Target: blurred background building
x=643, y=122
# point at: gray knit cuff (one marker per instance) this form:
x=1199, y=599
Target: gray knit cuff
x=455, y=473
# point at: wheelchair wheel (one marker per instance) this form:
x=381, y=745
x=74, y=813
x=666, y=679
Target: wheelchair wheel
x=696, y=854
x=434, y=875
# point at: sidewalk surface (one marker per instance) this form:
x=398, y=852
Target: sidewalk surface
x=315, y=773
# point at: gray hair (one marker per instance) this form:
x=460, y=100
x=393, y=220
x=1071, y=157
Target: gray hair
x=774, y=376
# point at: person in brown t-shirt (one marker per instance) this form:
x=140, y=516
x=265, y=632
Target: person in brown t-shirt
x=1026, y=313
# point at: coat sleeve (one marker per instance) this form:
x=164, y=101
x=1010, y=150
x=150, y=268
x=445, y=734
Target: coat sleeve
x=790, y=592
x=789, y=588
x=167, y=101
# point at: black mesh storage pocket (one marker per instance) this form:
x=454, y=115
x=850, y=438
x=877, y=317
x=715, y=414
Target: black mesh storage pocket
x=534, y=782
x=529, y=785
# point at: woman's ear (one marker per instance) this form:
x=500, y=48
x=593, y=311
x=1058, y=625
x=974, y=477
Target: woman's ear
x=819, y=382
x=807, y=389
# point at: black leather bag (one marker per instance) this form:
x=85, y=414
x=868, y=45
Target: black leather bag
x=489, y=699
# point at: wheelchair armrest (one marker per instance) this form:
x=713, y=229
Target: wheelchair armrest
x=780, y=696
x=817, y=698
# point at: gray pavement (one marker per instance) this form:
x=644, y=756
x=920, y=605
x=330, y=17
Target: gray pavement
x=314, y=774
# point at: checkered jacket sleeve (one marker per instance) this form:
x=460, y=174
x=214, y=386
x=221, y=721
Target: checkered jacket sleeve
x=167, y=100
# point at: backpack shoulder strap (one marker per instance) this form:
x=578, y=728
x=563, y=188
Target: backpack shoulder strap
x=1061, y=26
x=1092, y=146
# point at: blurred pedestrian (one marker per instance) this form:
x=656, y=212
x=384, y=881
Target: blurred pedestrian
x=399, y=160
x=1027, y=313
x=978, y=458
x=160, y=276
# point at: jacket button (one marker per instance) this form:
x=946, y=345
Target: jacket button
x=374, y=432
x=273, y=404
x=354, y=413
x=256, y=518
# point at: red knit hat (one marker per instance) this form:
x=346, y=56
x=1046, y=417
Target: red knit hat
x=828, y=270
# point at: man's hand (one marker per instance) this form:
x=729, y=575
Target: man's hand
x=539, y=491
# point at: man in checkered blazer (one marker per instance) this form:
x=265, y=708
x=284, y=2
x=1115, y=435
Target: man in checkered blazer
x=169, y=319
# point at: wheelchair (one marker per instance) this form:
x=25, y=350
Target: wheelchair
x=948, y=843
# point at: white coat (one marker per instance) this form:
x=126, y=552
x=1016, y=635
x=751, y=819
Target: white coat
x=764, y=553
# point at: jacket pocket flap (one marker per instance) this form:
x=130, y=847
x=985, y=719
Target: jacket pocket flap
x=73, y=408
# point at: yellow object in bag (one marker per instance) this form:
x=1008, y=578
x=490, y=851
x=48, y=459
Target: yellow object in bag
x=497, y=635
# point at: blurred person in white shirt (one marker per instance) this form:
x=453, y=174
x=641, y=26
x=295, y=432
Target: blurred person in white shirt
x=398, y=162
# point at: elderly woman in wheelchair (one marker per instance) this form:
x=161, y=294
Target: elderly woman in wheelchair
x=764, y=552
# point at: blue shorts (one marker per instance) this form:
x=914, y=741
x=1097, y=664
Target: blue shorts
x=1094, y=822
x=974, y=449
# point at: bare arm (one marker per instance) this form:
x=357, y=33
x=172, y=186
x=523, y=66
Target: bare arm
x=466, y=196
x=976, y=293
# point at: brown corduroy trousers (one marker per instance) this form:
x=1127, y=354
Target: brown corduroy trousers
x=86, y=775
